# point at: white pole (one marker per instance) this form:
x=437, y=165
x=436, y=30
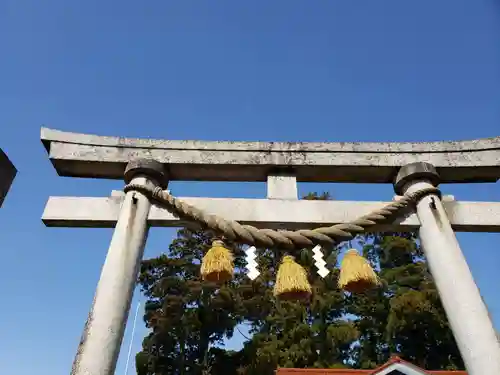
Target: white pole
x=103, y=333
x=467, y=314
x=131, y=339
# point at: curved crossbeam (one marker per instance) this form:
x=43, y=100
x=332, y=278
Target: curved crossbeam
x=84, y=155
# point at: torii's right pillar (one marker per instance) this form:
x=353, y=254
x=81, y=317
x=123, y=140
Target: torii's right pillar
x=467, y=314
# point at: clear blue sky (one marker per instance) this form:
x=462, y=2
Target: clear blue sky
x=218, y=70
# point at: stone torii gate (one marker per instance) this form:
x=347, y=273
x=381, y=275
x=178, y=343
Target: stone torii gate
x=147, y=164
x=7, y=174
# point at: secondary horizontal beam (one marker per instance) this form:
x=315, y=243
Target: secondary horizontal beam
x=84, y=155
x=265, y=213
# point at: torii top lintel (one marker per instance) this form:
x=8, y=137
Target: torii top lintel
x=84, y=155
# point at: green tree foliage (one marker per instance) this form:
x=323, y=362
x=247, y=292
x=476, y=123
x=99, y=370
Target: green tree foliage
x=405, y=315
x=292, y=334
x=185, y=315
x=189, y=319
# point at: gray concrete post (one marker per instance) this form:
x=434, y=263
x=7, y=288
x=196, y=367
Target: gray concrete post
x=103, y=333
x=467, y=314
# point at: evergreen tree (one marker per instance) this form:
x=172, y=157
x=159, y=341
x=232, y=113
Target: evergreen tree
x=189, y=318
x=404, y=316
x=294, y=334
x=186, y=316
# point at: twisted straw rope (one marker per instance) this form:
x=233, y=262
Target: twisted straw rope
x=269, y=238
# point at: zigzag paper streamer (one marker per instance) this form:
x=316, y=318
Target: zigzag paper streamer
x=251, y=266
x=320, y=263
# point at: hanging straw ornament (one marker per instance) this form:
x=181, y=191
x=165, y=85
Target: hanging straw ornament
x=291, y=281
x=356, y=274
x=217, y=264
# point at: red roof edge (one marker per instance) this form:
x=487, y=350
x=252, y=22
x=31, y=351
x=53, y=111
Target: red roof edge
x=392, y=360
x=396, y=359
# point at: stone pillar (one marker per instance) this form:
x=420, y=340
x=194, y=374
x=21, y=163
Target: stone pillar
x=467, y=314
x=103, y=333
x=7, y=174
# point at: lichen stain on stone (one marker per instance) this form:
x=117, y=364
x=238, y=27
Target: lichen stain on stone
x=83, y=339
x=81, y=155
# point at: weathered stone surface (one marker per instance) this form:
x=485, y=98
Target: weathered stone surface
x=83, y=155
x=7, y=174
x=93, y=212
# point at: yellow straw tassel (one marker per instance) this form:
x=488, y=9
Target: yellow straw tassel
x=356, y=274
x=291, y=281
x=217, y=264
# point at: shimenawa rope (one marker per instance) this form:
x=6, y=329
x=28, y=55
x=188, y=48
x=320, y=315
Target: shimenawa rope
x=269, y=238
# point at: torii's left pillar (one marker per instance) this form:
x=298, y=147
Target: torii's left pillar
x=103, y=333
x=7, y=174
